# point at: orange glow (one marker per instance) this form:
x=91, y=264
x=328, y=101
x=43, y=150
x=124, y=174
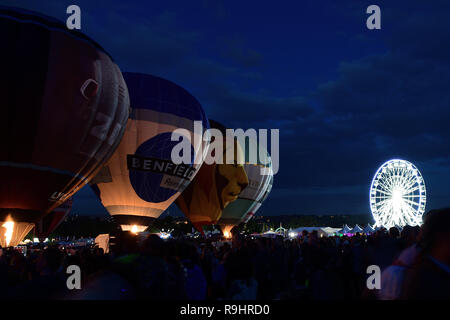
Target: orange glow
x=133, y=228
x=9, y=226
x=227, y=231
x=12, y=232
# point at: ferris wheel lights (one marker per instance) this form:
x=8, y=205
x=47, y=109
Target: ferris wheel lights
x=397, y=194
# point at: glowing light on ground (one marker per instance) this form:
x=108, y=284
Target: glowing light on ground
x=226, y=230
x=397, y=194
x=133, y=228
x=165, y=235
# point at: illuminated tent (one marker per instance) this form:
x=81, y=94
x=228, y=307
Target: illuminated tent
x=140, y=180
x=331, y=231
x=260, y=177
x=270, y=234
x=216, y=185
x=368, y=229
x=64, y=109
x=345, y=229
x=356, y=229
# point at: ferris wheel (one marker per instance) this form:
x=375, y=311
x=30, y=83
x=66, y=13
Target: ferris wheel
x=397, y=194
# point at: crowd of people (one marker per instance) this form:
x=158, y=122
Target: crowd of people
x=414, y=264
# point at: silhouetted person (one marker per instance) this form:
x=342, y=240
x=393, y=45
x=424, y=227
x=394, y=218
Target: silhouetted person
x=50, y=279
x=429, y=277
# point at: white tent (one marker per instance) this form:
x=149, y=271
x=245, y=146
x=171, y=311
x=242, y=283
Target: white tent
x=345, y=229
x=331, y=231
x=368, y=229
x=356, y=229
x=270, y=234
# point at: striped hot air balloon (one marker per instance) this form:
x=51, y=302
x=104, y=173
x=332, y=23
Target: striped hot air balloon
x=63, y=112
x=51, y=221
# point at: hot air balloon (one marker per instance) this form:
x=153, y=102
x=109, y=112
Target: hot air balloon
x=63, y=111
x=215, y=186
x=251, y=198
x=255, y=207
x=51, y=221
x=140, y=180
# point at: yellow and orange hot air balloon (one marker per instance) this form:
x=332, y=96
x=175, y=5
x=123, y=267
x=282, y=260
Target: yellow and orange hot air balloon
x=260, y=176
x=215, y=186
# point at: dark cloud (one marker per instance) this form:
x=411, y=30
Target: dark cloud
x=390, y=105
x=245, y=109
x=234, y=48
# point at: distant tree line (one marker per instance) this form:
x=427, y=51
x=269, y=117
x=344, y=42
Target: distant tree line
x=84, y=226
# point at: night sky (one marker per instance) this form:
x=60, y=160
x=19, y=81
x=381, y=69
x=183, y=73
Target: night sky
x=346, y=99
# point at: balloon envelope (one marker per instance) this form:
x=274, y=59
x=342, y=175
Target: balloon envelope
x=12, y=233
x=51, y=221
x=140, y=180
x=255, y=207
x=63, y=111
x=258, y=168
x=61, y=120
x=215, y=186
